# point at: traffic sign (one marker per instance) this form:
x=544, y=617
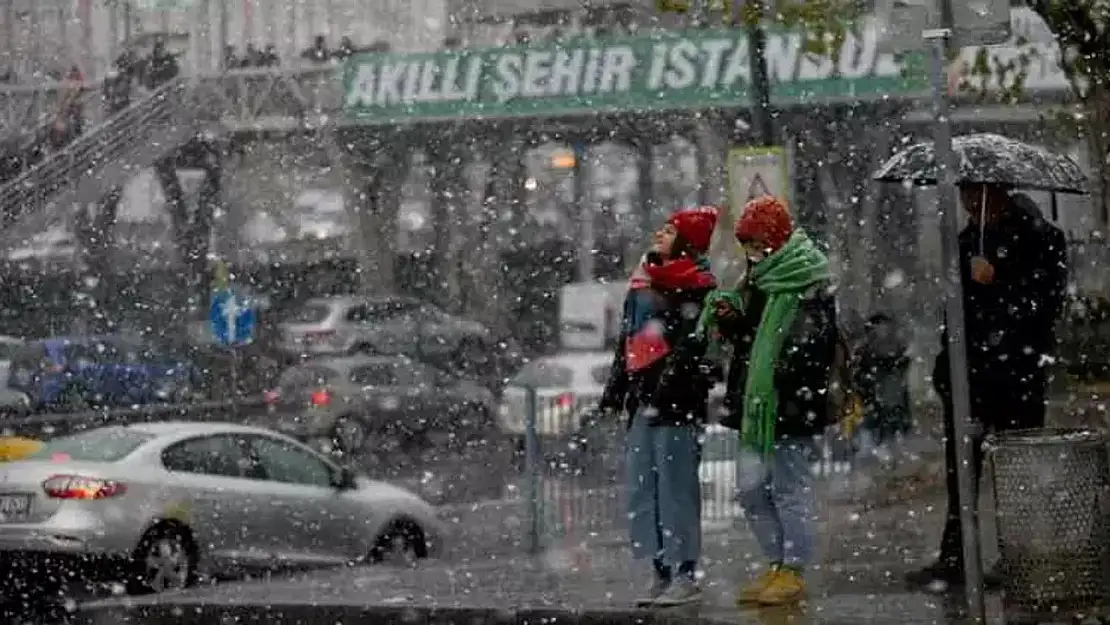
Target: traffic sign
x=757, y=188
x=751, y=172
x=232, y=318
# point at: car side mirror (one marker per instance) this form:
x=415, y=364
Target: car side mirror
x=346, y=479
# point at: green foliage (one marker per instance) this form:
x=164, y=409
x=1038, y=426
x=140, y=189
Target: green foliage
x=826, y=23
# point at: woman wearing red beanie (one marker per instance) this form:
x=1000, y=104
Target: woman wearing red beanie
x=657, y=377
x=782, y=325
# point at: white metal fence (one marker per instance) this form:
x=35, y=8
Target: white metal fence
x=573, y=472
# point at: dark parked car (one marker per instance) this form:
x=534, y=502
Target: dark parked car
x=403, y=420
x=352, y=401
x=340, y=325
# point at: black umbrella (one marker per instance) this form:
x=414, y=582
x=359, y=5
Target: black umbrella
x=992, y=159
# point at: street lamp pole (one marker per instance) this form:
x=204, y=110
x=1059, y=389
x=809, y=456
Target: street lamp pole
x=762, y=120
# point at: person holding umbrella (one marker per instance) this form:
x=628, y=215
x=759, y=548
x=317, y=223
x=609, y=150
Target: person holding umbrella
x=1014, y=276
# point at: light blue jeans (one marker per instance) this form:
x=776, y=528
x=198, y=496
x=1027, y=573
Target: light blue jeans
x=664, y=494
x=781, y=506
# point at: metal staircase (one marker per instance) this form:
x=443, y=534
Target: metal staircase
x=104, y=157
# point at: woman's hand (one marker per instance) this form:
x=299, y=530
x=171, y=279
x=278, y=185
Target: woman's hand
x=724, y=310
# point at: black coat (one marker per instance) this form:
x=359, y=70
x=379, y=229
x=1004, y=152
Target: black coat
x=803, y=373
x=1010, y=323
x=677, y=386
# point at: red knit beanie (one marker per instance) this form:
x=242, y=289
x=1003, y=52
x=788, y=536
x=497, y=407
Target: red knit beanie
x=765, y=218
x=695, y=226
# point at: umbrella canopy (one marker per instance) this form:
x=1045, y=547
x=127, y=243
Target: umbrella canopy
x=992, y=159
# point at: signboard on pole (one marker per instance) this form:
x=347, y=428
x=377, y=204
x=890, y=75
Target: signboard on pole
x=981, y=22
x=232, y=318
x=751, y=173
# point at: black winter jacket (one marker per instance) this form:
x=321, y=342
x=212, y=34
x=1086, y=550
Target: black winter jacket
x=677, y=386
x=1010, y=323
x=803, y=372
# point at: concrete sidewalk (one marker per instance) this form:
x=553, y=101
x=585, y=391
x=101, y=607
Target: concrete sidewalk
x=606, y=587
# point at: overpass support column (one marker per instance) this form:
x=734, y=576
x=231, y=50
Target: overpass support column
x=192, y=230
x=95, y=234
x=377, y=166
x=711, y=144
x=451, y=221
x=198, y=247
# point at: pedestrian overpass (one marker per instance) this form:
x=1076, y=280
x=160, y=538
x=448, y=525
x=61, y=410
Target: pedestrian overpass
x=461, y=106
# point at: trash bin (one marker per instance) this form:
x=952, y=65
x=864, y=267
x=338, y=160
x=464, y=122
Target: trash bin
x=1050, y=488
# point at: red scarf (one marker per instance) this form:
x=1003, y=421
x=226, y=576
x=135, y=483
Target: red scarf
x=670, y=275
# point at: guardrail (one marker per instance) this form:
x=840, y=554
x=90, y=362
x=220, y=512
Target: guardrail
x=46, y=426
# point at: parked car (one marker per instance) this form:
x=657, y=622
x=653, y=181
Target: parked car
x=392, y=400
x=340, y=325
x=567, y=387
x=74, y=372
x=165, y=504
x=11, y=400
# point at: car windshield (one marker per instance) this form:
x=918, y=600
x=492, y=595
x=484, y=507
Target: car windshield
x=544, y=373
x=380, y=374
x=100, y=445
x=309, y=313
x=302, y=377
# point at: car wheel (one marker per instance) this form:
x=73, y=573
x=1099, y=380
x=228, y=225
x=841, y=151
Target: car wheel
x=403, y=543
x=164, y=560
x=349, y=435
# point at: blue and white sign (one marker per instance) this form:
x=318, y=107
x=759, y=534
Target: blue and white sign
x=232, y=318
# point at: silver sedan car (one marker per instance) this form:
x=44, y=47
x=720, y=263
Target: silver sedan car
x=159, y=505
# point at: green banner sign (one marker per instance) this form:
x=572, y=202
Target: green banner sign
x=689, y=70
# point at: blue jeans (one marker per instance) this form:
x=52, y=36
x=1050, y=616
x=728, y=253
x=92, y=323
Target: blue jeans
x=781, y=507
x=664, y=494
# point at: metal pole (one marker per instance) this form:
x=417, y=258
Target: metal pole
x=234, y=383
x=762, y=124
x=585, y=214
x=222, y=27
x=954, y=309
x=531, y=472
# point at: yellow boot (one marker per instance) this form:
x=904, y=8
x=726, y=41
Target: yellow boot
x=749, y=595
x=787, y=587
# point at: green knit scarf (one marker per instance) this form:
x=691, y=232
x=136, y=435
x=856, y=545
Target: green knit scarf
x=783, y=277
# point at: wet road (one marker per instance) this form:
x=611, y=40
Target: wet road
x=863, y=553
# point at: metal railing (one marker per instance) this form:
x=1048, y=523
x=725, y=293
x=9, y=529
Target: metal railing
x=145, y=123
x=572, y=469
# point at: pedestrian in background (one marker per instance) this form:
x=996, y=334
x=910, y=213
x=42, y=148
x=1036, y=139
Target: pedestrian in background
x=658, y=378
x=1013, y=266
x=881, y=377
x=782, y=325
